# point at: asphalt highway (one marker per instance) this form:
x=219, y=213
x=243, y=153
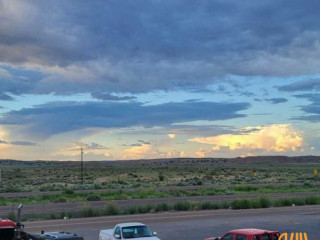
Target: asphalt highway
x=196, y=225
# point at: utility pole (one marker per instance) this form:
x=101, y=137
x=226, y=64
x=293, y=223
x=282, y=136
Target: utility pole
x=82, y=166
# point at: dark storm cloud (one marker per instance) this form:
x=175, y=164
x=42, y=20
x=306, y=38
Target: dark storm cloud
x=132, y=145
x=5, y=97
x=276, y=100
x=139, y=144
x=144, y=142
x=139, y=46
x=88, y=146
x=313, y=109
x=304, y=85
x=109, y=97
x=20, y=143
x=49, y=119
x=23, y=143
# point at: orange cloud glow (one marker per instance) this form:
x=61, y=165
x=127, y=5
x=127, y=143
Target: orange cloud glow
x=172, y=135
x=273, y=138
x=137, y=152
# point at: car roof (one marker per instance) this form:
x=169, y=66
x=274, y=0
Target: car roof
x=251, y=231
x=130, y=224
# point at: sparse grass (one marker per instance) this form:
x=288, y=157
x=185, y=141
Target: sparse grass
x=20, y=176
x=70, y=196
x=111, y=209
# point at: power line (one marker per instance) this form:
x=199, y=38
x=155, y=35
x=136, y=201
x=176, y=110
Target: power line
x=82, y=166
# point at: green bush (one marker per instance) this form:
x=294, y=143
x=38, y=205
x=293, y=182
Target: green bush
x=132, y=210
x=241, y=188
x=162, y=207
x=264, y=202
x=112, y=209
x=241, y=204
x=283, y=202
x=93, y=197
x=68, y=191
x=60, y=200
x=208, y=205
x=299, y=201
x=183, y=206
x=88, y=212
x=312, y=200
x=144, y=209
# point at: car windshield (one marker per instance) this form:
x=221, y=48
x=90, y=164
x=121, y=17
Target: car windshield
x=136, y=232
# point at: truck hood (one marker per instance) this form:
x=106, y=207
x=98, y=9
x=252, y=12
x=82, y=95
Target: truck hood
x=144, y=238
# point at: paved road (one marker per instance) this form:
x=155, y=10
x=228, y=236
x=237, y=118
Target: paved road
x=123, y=204
x=197, y=224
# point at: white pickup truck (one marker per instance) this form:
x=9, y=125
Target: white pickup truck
x=136, y=231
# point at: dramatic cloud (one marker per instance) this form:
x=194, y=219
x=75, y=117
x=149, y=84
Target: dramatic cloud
x=313, y=108
x=305, y=85
x=138, y=46
x=202, y=153
x=273, y=138
x=5, y=97
x=49, y=119
x=276, y=100
x=138, y=152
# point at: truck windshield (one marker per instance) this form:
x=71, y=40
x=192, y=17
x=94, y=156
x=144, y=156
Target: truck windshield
x=136, y=232
x=6, y=234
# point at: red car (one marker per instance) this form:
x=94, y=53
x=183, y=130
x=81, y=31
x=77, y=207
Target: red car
x=248, y=234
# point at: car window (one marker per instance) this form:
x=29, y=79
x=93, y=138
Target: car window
x=136, y=232
x=117, y=231
x=229, y=236
x=241, y=237
x=256, y=238
x=266, y=237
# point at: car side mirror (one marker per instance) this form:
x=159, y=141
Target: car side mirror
x=117, y=236
x=154, y=233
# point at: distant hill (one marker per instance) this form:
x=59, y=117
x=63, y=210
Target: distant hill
x=238, y=160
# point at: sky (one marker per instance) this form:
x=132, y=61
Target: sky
x=144, y=79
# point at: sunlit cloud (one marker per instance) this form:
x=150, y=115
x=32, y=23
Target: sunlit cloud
x=273, y=138
x=137, y=152
x=172, y=135
x=108, y=155
x=202, y=153
x=175, y=154
x=87, y=148
x=2, y=137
